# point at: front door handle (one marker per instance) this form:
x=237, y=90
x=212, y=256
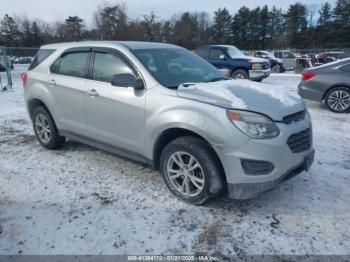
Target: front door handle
x=93, y=93
x=52, y=82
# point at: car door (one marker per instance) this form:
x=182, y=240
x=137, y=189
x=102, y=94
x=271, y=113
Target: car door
x=219, y=59
x=67, y=85
x=114, y=115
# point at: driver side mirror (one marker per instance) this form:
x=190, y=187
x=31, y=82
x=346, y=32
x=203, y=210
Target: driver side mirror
x=127, y=80
x=222, y=57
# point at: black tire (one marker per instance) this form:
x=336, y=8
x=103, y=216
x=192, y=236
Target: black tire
x=331, y=106
x=210, y=165
x=259, y=80
x=240, y=74
x=276, y=69
x=55, y=140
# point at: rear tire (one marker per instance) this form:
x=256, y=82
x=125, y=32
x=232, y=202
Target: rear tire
x=338, y=100
x=177, y=162
x=45, y=129
x=240, y=74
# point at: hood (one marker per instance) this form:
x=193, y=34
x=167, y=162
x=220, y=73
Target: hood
x=273, y=101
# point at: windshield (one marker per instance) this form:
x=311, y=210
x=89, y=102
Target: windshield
x=173, y=67
x=234, y=52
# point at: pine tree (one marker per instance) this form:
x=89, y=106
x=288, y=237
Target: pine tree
x=74, y=28
x=10, y=33
x=324, y=21
x=297, y=25
x=222, y=31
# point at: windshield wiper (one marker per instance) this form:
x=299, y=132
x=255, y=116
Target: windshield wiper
x=218, y=79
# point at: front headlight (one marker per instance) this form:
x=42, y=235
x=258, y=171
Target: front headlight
x=252, y=124
x=256, y=67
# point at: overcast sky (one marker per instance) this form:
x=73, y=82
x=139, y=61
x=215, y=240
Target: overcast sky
x=51, y=10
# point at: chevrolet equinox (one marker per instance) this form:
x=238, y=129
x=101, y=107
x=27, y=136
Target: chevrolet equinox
x=166, y=107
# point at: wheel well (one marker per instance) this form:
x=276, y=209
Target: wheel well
x=169, y=135
x=329, y=89
x=34, y=103
x=240, y=68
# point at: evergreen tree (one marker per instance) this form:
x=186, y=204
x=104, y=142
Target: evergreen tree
x=241, y=27
x=186, y=32
x=111, y=22
x=74, y=28
x=297, y=25
x=222, y=30
x=10, y=34
x=324, y=22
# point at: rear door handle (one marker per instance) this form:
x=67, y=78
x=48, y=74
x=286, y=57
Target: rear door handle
x=52, y=82
x=93, y=93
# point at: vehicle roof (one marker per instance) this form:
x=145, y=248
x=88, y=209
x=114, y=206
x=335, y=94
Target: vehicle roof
x=133, y=45
x=226, y=46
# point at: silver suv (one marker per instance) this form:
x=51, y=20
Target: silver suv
x=164, y=106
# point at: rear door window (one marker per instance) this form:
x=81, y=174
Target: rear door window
x=40, y=56
x=71, y=64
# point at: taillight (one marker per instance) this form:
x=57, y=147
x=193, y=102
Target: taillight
x=308, y=76
x=24, y=77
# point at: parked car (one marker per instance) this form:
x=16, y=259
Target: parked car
x=327, y=57
x=329, y=83
x=276, y=64
x=164, y=106
x=303, y=62
x=289, y=59
x=3, y=63
x=23, y=60
x=234, y=62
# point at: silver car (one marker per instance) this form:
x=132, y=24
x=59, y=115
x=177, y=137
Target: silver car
x=164, y=106
x=329, y=83
x=289, y=59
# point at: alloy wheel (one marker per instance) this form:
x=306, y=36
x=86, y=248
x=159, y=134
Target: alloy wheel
x=339, y=100
x=43, y=128
x=276, y=69
x=186, y=174
x=240, y=76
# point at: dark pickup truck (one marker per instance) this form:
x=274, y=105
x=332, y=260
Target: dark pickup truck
x=234, y=63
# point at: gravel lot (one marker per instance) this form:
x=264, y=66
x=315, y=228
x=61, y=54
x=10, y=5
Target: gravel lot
x=79, y=200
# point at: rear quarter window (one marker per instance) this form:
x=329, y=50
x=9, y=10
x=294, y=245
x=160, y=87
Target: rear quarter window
x=71, y=64
x=40, y=56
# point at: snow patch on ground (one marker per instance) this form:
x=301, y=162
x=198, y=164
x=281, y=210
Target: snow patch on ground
x=79, y=200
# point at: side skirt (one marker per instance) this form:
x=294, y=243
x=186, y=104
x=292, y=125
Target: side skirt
x=106, y=147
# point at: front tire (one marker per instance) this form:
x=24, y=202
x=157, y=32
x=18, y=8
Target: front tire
x=338, y=100
x=191, y=170
x=240, y=74
x=45, y=129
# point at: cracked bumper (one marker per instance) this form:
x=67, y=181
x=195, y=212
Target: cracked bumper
x=251, y=190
